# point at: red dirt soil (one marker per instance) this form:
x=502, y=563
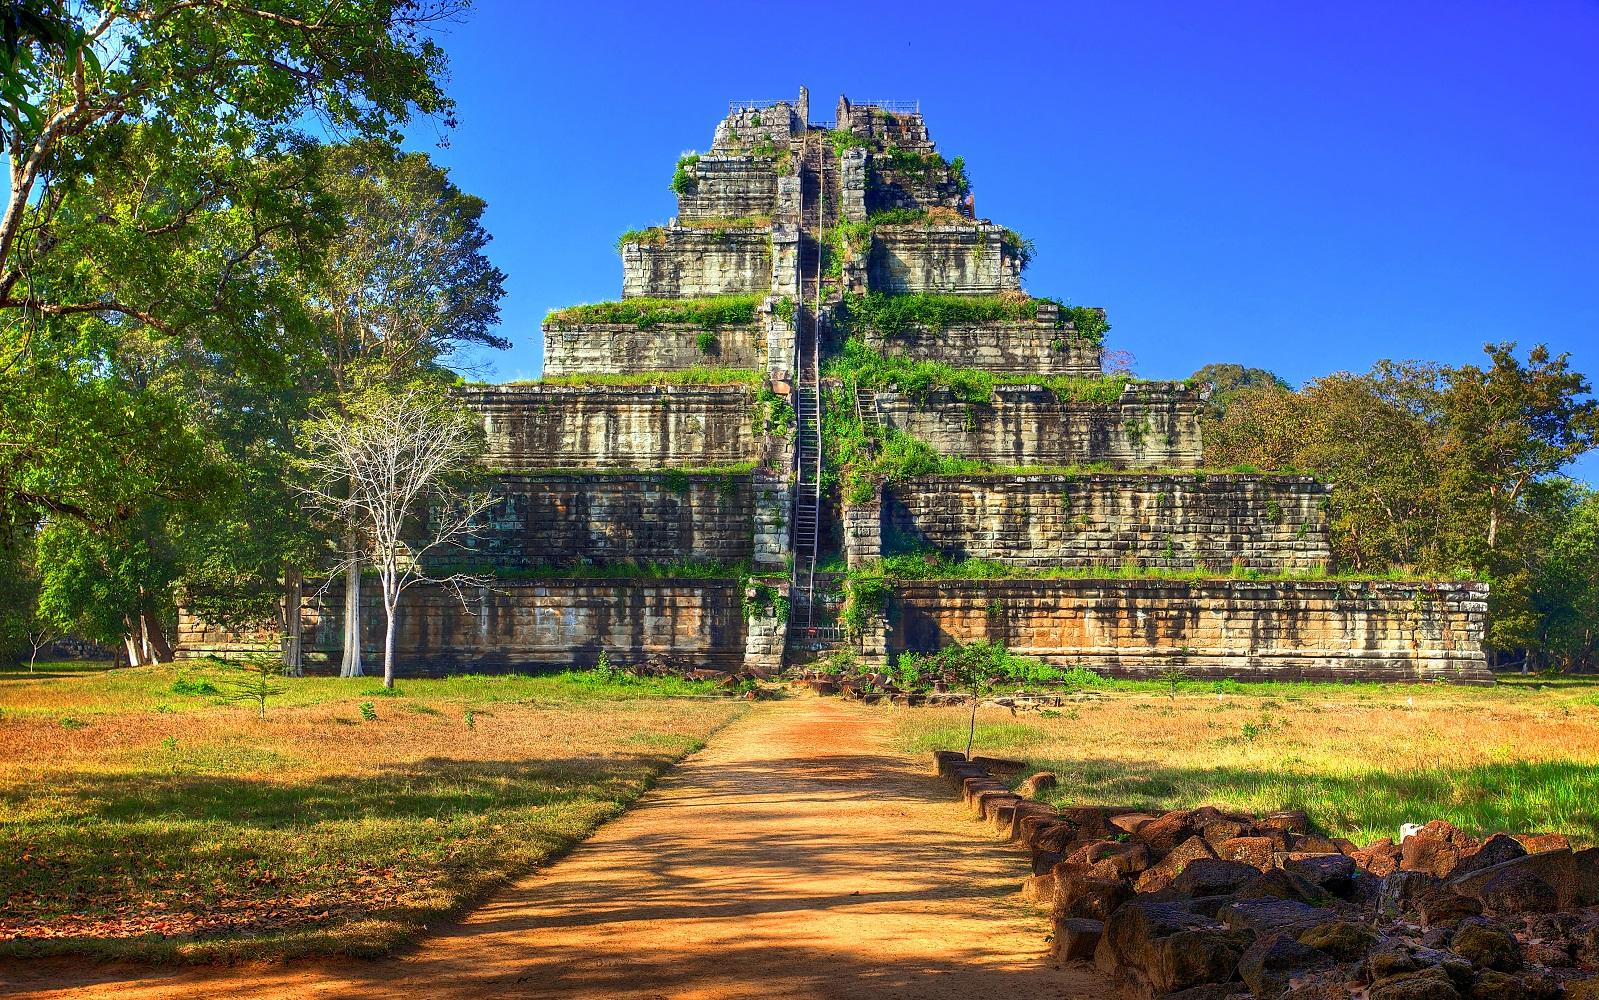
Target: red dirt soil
x=796, y=856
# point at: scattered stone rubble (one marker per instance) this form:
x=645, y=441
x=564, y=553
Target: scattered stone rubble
x=874, y=686
x=1206, y=904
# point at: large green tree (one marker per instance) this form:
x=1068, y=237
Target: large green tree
x=1446, y=470
x=168, y=208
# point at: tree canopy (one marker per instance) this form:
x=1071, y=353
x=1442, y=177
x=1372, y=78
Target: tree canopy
x=1447, y=471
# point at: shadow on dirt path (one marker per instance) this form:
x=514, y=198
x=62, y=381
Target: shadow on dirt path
x=796, y=856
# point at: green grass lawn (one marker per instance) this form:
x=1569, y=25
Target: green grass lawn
x=1361, y=759
x=143, y=815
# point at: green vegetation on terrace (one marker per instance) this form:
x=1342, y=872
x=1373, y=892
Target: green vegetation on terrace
x=729, y=469
x=1360, y=758
x=858, y=364
x=645, y=313
x=970, y=468
x=919, y=166
x=682, y=569
x=684, y=182
x=650, y=236
x=740, y=222
x=893, y=315
x=849, y=241
x=655, y=236
x=857, y=457
x=151, y=818
x=698, y=375
x=933, y=565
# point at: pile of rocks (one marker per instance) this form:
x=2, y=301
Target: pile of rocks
x=874, y=687
x=1206, y=903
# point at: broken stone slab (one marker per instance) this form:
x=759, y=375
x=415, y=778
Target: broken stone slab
x=1002, y=766
x=1571, y=875
x=1271, y=913
x=943, y=760
x=1039, y=888
x=1130, y=822
x=1538, y=843
x=1162, y=873
x=1487, y=947
x=1283, y=885
x=1258, y=852
x=1075, y=939
x=1332, y=872
x=1095, y=821
x=1290, y=821
x=1034, y=784
x=1440, y=906
x=1138, y=922
x=1161, y=948
x=1271, y=964
x=1380, y=858
x=1213, y=877
x=984, y=802
x=1023, y=811
x=1496, y=850
x=1165, y=832
x=1516, y=892
x=1436, y=848
x=1116, y=857
x=1345, y=940
x=1082, y=895
x=1400, y=892
x=1423, y=984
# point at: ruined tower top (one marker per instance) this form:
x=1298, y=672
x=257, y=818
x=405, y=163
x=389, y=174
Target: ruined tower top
x=752, y=125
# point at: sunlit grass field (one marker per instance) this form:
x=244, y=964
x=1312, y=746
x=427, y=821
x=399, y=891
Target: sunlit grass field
x=1522, y=756
x=142, y=814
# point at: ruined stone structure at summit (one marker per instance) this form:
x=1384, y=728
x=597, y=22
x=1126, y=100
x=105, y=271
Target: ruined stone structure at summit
x=826, y=365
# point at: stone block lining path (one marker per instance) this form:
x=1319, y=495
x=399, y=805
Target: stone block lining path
x=798, y=855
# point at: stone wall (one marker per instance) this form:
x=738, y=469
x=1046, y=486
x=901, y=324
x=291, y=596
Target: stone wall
x=896, y=186
x=605, y=518
x=947, y=259
x=1152, y=425
x=772, y=510
x=1267, y=523
x=623, y=347
x=688, y=263
x=1303, y=629
x=729, y=187
x=536, y=427
x=517, y=624
x=900, y=130
x=745, y=128
x=1031, y=348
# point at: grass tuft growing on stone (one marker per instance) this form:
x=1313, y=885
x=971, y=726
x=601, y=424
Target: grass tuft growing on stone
x=646, y=313
x=892, y=315
x=698, y=375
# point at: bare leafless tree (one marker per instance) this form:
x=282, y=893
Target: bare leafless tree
x=395, y=463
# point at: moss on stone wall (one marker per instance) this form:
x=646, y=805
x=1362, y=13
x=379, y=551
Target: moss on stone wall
x=645, y=313
x=889, y=315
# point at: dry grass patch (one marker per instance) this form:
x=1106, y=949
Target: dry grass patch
x=142, y=821
x=1360, y=759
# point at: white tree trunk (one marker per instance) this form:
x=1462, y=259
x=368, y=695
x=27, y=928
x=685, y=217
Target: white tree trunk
x=389, y=607
x=351, y=667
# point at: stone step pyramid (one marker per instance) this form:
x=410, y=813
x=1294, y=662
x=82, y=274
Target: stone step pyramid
x=663, y=436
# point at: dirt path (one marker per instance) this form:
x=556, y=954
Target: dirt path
x=796, y=856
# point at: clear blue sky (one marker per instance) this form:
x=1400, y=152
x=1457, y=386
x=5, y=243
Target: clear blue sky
x=1296, y=188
